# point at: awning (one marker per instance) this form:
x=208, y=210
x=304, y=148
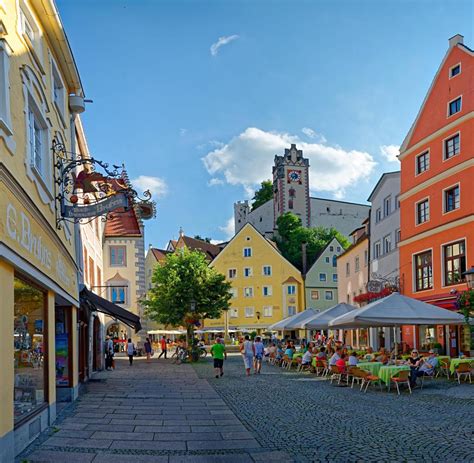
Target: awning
x=92, y=302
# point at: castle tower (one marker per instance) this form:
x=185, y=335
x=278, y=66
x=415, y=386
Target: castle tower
x=291, y=185
x=241, y=213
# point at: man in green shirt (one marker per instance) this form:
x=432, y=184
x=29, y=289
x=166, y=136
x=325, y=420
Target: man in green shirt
x=218, y=354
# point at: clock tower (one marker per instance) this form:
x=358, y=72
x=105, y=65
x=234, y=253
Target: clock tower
x=291, y=185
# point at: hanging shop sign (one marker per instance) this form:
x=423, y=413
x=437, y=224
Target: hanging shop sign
x=87, y=188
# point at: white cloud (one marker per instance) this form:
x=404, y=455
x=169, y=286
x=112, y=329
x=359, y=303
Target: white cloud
x=157, y=186
x=247, y=159
x=183, y=132
x=210, y=144
x=228, y=228
x=215, y=181
x=390, y=152
x=221, y=41
x=310, y=133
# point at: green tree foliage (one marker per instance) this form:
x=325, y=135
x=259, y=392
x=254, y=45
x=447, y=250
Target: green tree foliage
x=184, y=277
x=199, y=237
x=291, y=234
x=466, y=305
x=262, y=195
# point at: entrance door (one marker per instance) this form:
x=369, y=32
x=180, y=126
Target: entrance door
x=96, y=350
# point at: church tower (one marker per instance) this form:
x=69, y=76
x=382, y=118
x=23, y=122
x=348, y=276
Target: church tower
x=291, y=185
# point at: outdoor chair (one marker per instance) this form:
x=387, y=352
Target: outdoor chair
x=402, y=377
x=463, y=369
x=336, y=374
x=367, y=379
x=272, y=358
x=427, y=376
x=356, y=374
x=322, y=368
x=443, y=368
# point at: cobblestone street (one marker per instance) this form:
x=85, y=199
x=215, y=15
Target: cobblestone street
x=162, y=412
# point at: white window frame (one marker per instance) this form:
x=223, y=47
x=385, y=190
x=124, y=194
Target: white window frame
x=445, y=159
x=234, y=292
x=459, y=97
x=292, y=311
x=58, y=101
x=248, y=291
x=422, y=200
x=248, y=272
x=291, y=290
x=33, y=43
x=269, y=290
x=377, y=249
x=245, y=249
x=230, y=270
x=356, y=264
x=325, y=277
x=426, y=151
x=263, y=270
x=458, y=184
x=234, y=312
x=387, y=200
x=398, y=236
x=378, y=215
x=6, y=128
x=328, y=292
x=249, y=312
x=451, y=70
x=387, y=239
x=316, y=291
x=334, y=278
x=268, y=311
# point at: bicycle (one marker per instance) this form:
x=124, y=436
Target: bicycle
x=181, y=355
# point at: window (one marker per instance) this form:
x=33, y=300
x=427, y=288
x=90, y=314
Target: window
x=387, y=244
x=423, y=271
x=334, y=261
x=233, y=292
x=267, y=270
x=357, y=264
x=452, y=146
x=247, y=252
x=454, y=106
x=118, y=294
x=331, y=248
x=378, y=215
x=328, y=295
x=454, y=263
x=268, y=311
x=338, y=249
x=455, y=70
x=59, y=93
x=366, y=257
x=451, y=199
x=291, y=310
x=397, y=202
x=422, y=162
x=249, y=312
x=99, y=280
x=314, y=294
x=327, y=260
x=29, y=345
x=30, y=32
x=334, y=277
x=234, y=313
x=247, y=271
x=422, y=211
x=248, y=292
x=348, y=269
x=267, y=290
x=291, y=289
x=377, y=249
x=86, y=277
x=398, y=237
x=118, y=256
x=5, y=119
x=322, y=277
x=232, y=273
x=91, y=273
x=387, y=204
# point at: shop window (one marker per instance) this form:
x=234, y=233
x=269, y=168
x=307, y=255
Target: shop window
x=454, y=263
x=118, y=256
x=62, y=338
x=423, y=271
x=30, y=348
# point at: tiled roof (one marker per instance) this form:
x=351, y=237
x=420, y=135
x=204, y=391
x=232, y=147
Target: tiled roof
x=160, y=254
x=122, y=224
x=211, y=250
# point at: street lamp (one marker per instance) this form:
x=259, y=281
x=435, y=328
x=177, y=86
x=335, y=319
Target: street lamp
x=470, y=277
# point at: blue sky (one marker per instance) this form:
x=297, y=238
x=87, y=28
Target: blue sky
x=342, y=79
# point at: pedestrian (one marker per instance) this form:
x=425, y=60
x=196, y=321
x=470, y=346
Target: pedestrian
x=248, y=352
x=259, y=350
x=148, y=350
x=218, y=354
x=130, y=351
x=109, y=353
x=164, y=347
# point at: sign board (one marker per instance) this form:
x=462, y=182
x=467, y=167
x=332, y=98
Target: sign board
x=95, y=210
x=374, y=286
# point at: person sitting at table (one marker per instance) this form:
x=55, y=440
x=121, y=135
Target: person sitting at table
x=321, y=355
x=335, y=357
x=279, y=353
x=307, y=358
x=414, y=361
x=353, y=360
x=383, y=356
x=428, y=367
x=341, y=363
x=369, y=355
x=289, y=351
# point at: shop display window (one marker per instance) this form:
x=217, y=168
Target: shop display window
x=30, y=342
x=63, y=377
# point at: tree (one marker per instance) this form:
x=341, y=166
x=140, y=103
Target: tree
x=182, y=281
x=264, y=194
x=198, y=237
x=465, y=303
x=291, y=234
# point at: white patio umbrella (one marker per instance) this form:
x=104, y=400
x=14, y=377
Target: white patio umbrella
x=396, y=310
x=321, y=320
x=295, y=322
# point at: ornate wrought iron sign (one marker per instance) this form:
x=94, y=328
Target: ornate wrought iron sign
x=87, y=188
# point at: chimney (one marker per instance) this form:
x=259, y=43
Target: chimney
x=453, y=41
x=150, y=246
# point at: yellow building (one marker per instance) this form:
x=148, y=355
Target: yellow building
x=265, y=287
x=38, y=273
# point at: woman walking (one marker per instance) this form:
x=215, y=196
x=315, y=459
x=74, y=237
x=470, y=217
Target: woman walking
x=259, y=350
x=147, y=347
x=130, y=350
x=248, y=351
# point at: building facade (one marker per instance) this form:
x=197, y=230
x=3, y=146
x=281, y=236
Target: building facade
x=437, y=211
x=38, y=261
x=321, y=281
x=265, y=287
x=291, y=194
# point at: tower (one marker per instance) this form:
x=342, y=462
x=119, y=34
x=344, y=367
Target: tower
x=241, y=213
x=291, y=185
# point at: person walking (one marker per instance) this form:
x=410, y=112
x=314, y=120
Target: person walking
x=218, y=354
x=248, y=352
x=147, y=347
x=164, y=347
x=109, y=353
x=130, y=351
x=259, y=350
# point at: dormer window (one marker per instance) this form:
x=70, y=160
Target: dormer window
x=455, y=70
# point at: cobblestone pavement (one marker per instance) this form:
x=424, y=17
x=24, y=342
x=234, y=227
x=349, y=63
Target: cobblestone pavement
x=168, y=413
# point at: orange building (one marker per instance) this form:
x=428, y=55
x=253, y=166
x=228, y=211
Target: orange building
x=436, y=198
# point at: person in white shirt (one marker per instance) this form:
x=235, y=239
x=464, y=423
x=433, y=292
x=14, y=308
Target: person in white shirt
x=353, y=361
x=307, y=357
x=130, y=350
x=248, y=351
x=335, y=357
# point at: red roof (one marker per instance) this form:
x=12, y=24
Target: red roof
x=122, y=224
x=160, y=254
x=211, y=250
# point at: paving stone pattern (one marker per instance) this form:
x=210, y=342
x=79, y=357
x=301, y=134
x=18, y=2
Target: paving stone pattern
x=160, y=412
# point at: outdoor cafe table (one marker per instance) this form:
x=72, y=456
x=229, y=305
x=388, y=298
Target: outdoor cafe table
x=456, y=362
x=373, y=367
x=387, y=372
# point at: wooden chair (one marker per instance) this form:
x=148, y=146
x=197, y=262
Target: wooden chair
x=322, y=368
x=463, y=369
x=368, y=378
x=443, y=368
x=299, y=363
x=402, y=377
x=427, y=376
x=336, y=374
x=272, y=358
x=356, y=374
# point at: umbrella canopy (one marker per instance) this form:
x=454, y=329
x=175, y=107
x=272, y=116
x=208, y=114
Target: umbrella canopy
x=321, y=320
x=295, y=322
x=397, y=310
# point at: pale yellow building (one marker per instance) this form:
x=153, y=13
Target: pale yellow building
x=265, y=287
x=38, y=272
